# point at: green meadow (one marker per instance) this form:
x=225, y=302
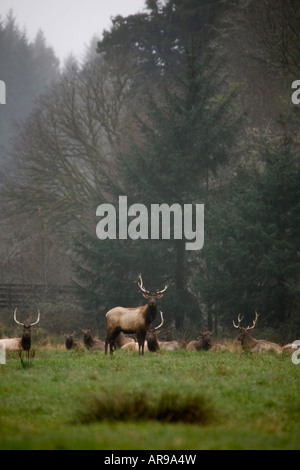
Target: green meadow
x=163, y=401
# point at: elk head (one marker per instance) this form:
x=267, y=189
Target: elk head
x=26, y=331
x=153, y=344
x=26, y=328
x=69, y=340
x=206, y=337
x=151, y=297
x=245, y=331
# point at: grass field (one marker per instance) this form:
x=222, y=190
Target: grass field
x=84, y=400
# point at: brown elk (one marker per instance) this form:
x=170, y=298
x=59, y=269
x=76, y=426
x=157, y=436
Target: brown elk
x=152, y=341
x=70, y=343
x=134, y=346
x=255, y=345
x=23, y=343
x=133, y=320
x=122, y=340
x=169, y=345
x=90, y=343
x=291, y=347
x=202, y=342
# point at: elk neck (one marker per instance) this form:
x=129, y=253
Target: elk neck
x=69, y=343
x=26, y=340
x=150, y=313
x=247, y=341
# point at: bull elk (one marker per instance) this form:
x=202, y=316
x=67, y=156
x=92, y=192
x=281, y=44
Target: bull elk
x=152, y=341
x=23, y=343
x=255, y=345
x=155, y=345
x=133, y=320
x=202, y=342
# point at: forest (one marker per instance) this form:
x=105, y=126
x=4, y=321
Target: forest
x=187, y=102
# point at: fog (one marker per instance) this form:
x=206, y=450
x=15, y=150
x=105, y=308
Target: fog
x=68, y=25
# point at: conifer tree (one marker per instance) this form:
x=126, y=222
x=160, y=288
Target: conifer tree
x=253, y=253
x=184, y=134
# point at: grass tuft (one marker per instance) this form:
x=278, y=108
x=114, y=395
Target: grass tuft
x=170, y=407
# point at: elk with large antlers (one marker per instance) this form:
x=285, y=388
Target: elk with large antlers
x=152, y=341
x=255, y=345
x=133, y=320
x=23, y=343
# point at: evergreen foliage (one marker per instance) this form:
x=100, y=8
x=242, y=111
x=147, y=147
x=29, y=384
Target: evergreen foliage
x=252, y=251
x=26, y=68
x=184, y=134
x=156, y=116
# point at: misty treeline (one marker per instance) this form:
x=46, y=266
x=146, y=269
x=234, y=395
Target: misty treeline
x=186, y=102
x=26, y=68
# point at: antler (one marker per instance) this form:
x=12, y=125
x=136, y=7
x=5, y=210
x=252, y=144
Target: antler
x=35, y=323
x=248, y=327
x=162, y=322
x=159, y=292
x=239, y=320
x=254, y=322
x=23, y=324
x=141, y=285
x=15, y=318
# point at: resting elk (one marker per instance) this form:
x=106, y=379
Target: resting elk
x=122, y=340
x=133, y=320
x=202, y=342
x=23, y=343
x=255, y=345
x=90, y=343
x=152, y=341
x=70, y=343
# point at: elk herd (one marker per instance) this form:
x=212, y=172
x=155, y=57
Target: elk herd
x=125, y=324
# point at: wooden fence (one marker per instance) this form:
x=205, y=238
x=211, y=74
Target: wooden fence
x=12, y=295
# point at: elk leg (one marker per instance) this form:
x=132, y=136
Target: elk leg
x=141, y=340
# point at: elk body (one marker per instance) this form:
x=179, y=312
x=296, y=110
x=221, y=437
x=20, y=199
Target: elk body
x=169, y=345
x=90, y=343
x=123, y=340
x=202, y=342
x=134, y=346
x=133, y=320
x=23, y=343
x=255, y=345
x=291, y=347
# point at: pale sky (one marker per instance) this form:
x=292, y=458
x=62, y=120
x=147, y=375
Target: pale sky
x=68, y=25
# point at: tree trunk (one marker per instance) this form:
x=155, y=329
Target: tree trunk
x=180, y=281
